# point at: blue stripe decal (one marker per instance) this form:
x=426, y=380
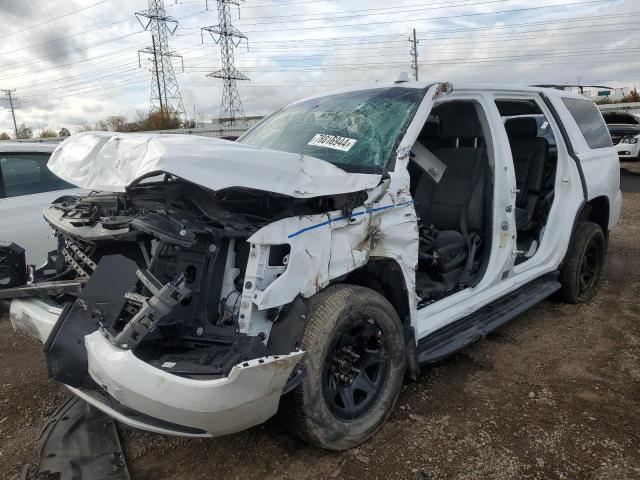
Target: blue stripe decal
x=342, y=217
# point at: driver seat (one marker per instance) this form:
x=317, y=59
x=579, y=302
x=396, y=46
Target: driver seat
x=452, y=211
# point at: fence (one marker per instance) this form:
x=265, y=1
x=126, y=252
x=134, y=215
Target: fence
x=633, y=107
x=35, y=140
x=203, y=130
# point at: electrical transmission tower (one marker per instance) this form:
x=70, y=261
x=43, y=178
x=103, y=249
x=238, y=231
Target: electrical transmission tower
x=165, y=94
x=228, y=37
x=13, y=113
x=414, y=55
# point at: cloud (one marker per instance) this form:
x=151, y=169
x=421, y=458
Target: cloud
x=83, y=67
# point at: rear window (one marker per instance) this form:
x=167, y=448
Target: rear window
x=26, y=174
x=590, y=122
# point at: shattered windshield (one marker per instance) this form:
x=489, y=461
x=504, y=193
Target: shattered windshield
x=356, y=131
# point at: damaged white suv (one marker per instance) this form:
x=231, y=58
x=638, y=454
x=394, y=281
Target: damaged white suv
x=335, y=247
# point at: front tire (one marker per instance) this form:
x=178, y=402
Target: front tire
x=355, y=363
x=582, y=270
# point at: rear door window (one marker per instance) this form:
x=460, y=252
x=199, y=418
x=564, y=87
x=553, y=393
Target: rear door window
x=589, y=121
x=27, y=174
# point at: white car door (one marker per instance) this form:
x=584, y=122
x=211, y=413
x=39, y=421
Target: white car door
x=26, y=188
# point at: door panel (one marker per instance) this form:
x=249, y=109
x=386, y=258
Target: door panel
x=21, y=222
x=500, y=230
x=27, y=186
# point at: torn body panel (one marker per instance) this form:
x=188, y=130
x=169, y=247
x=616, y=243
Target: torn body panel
x=247, y=396
x=152, y=398
x=78, y=442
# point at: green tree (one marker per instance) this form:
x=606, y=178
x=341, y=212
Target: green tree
x=4, y=136
x=48, y=133
x=64, y=132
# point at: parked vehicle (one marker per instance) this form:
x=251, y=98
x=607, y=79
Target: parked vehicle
x=626, y=139
x=309, y=266
x=624, y=128
x=617, y=117
x=26, y=188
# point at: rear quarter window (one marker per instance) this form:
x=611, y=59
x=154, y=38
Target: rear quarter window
x=589, y=121
x=27, y=174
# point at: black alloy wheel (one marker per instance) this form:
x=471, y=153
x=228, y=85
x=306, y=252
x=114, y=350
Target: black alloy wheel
x=355, y=369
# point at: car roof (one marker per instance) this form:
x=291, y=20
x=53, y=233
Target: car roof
x=27, y=147
x=456, y=87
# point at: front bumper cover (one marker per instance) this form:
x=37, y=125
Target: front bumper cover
x=628, y=151
x=248, y=396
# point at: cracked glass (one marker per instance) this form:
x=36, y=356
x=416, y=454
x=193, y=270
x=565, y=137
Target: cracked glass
x=356, y=131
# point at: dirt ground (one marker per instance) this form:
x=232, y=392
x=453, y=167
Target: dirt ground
x=553, y=394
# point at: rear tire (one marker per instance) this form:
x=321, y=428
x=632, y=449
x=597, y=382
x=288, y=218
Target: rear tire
x=355, y=363
x=582, y=270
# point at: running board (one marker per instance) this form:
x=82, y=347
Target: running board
x=479, y=324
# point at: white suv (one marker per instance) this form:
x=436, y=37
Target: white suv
x=338, y=245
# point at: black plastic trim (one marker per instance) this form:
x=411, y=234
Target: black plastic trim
x=108, y=400
x=457, y=335
x=78, y=442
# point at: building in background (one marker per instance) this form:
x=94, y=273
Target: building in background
x=613, y=95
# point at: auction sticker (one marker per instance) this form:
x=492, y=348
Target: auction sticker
x=333, y=141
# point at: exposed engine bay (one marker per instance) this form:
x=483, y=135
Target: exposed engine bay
x=163, y=269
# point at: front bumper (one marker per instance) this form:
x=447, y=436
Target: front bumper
x=628, y=151
x=248, y=396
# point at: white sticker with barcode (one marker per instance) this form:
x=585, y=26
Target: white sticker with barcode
x=335, y=142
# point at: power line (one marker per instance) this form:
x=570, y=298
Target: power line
x=68, y=52
x=65, y=37
x=54, y=19
x=363, y=37
x=443, y=17
x=377, y=11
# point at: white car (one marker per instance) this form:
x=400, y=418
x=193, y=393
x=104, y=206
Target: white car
x=338, y=245
x=27, y=186
x=626, y=139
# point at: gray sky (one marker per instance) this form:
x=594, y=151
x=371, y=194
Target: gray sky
x=76, y=62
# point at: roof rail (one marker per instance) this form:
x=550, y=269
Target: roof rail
x=564, y=86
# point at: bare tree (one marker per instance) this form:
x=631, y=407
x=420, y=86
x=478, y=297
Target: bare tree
x=117, y=123
x=24, y=131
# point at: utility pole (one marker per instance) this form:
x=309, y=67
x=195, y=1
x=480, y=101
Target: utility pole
x=165, y=94
x=228, y=37
x=414, y=55
x=13, y=113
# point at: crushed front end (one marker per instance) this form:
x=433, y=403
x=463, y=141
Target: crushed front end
x=153, y=336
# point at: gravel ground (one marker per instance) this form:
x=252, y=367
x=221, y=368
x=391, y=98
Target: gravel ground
x=553, y=394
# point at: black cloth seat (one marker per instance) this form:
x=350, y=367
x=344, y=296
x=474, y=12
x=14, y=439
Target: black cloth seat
x=530, y=155
x=455, y=205
x=430, y=135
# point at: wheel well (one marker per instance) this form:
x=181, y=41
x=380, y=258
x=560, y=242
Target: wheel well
x=596, y=210
x=384, y=275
